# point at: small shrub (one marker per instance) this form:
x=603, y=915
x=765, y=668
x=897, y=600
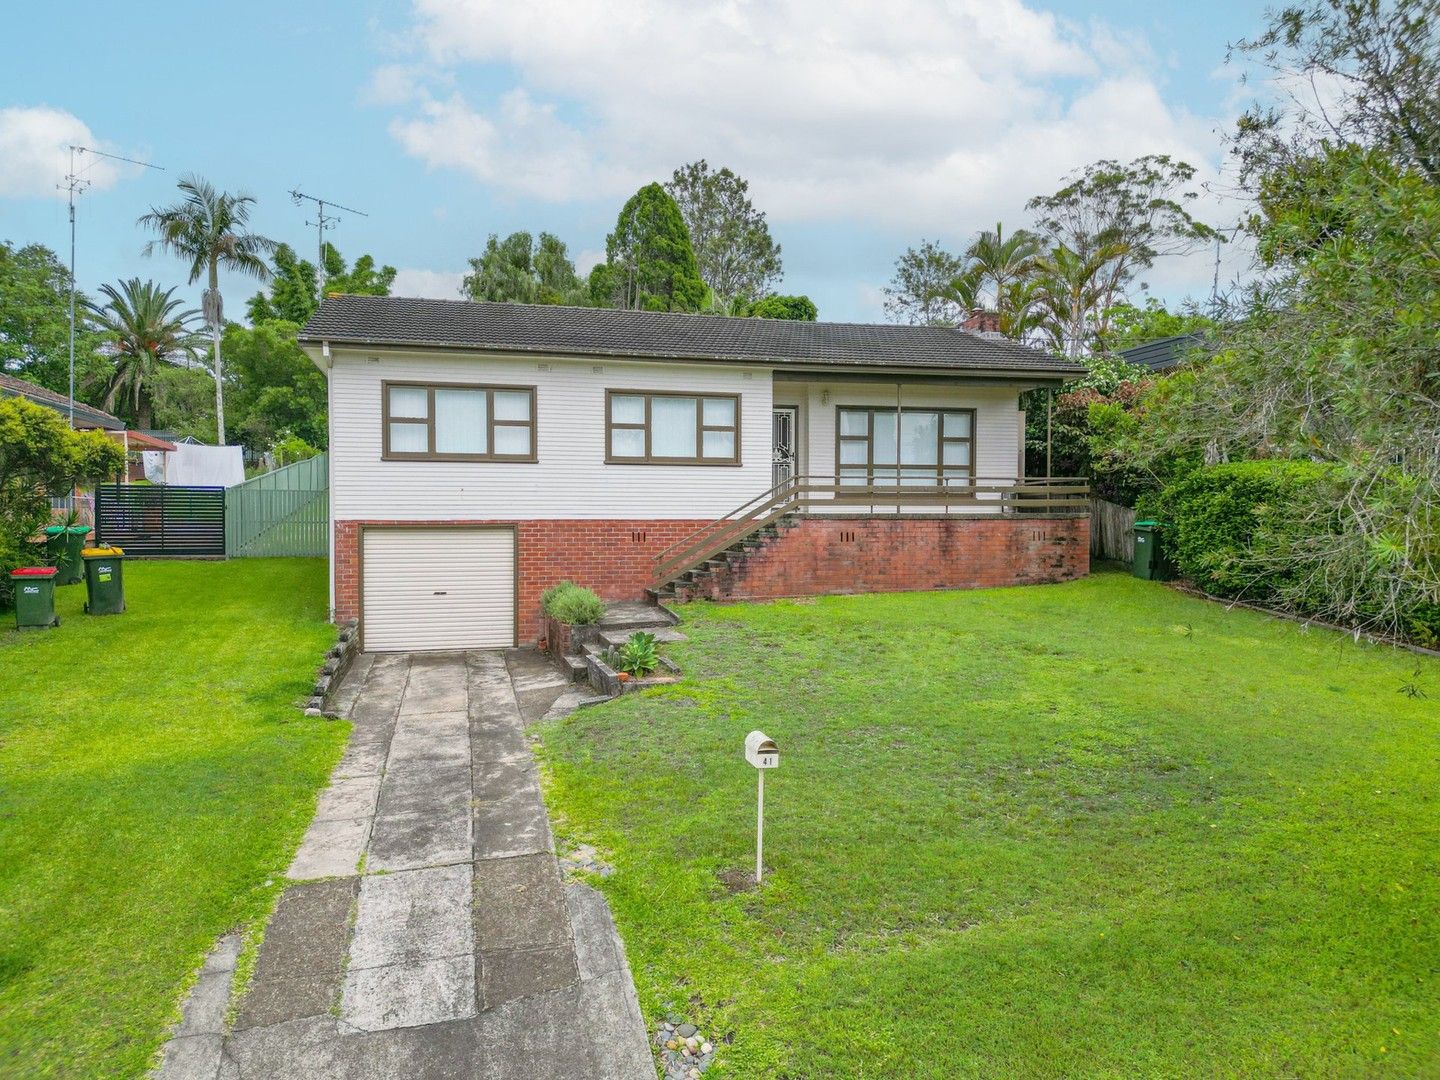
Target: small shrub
x=638, y=656
x=571, y=603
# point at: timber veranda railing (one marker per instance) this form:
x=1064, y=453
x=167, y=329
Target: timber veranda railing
x=282, y=512
x=967, y=496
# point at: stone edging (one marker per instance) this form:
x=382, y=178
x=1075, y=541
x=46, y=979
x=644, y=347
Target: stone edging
x=337, y=662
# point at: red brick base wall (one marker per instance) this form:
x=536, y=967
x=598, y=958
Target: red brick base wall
x=817, y=556
x=613, y=557
x=823, y=555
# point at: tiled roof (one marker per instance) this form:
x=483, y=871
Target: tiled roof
x=380, y=320
x=85, y=415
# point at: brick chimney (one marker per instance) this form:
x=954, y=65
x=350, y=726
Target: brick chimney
x=982, y=322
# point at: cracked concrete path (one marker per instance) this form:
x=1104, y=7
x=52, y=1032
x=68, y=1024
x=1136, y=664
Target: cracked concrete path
x=428, y=931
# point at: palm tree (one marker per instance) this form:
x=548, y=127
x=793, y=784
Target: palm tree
x=1069, y=290
x=142, y=322
x=208, y=228
x=996, y=262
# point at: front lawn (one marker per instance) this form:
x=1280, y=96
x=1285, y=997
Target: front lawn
x=155, y=777
x=1095, y=829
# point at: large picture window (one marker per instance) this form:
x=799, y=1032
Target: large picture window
x=653, y=428
x=911, y=446
x=452, y=422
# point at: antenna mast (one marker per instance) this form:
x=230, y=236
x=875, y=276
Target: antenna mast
x=76, y=184
x=322, y=222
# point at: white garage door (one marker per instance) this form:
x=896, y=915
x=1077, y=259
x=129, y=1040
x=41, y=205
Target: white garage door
x=433, y=589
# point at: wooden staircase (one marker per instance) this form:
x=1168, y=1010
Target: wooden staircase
x=700, y=579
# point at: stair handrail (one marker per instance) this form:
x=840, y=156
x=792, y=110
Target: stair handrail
x=746, y=505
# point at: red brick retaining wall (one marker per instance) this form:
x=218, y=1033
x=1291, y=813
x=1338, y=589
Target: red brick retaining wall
x=819, y=555
x=825, y=555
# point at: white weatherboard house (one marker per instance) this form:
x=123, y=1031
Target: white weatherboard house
x=479, y=453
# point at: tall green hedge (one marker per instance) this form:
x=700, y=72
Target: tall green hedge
x=1265, y=532
x=1225, y=521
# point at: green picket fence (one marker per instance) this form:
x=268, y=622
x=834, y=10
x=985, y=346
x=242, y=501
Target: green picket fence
x=284, y=512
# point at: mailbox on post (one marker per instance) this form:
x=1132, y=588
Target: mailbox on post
x=760, y=751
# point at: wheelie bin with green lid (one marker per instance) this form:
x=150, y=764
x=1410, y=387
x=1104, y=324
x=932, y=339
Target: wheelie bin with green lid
x=1150, y=562
x=71, y=565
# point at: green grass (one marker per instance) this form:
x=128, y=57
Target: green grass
x=155, y=777
x=1094, y=829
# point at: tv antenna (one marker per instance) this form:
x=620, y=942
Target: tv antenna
x=322, y=222
x=76, y=184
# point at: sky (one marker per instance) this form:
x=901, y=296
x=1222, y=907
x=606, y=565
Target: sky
x=862, y=128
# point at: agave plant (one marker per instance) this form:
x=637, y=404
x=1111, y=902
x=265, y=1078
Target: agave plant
x=637, y=656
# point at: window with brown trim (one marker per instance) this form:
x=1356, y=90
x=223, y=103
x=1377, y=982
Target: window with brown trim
x=922, y=448
x=457, y=422
x=651, y=427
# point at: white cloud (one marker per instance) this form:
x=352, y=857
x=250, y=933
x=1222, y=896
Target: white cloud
x=587, y=260
x=434, y=284
x=35, y=156
x=933, y=115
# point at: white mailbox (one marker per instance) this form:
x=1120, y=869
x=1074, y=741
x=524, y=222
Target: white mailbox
x=761, y=751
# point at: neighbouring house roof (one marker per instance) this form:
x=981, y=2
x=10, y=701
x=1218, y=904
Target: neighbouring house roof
x=86, y=416
x=1165, y=353
x=139, y=440
x=555, y=330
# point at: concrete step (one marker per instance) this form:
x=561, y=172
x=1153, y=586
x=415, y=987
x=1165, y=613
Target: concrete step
x=622, y=613
x=576, y=668
x=663, y=634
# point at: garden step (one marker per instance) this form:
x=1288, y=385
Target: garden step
x=631, y=613
x=663, y=634
x=576, y=667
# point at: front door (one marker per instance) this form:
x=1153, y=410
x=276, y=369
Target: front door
x=785, y=428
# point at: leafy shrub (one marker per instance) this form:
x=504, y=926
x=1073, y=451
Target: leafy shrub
x=291, y=449
x=1228, y=523
x=638, y=656
x=571, y=603
x=40, y=456
x=15, y=553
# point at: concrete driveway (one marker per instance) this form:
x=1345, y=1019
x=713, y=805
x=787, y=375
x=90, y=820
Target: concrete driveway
x=428, y=931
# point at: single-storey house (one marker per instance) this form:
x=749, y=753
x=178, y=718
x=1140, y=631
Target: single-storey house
x=88, y=418
x=481, y=452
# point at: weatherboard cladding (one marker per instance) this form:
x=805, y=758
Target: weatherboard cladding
x=403, y=321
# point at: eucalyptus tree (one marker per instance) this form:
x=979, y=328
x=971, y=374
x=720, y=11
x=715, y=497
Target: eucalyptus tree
x=147, y=327
x=209, y=229
x=736, y=255
x=929, y=287
x=1140, y=210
